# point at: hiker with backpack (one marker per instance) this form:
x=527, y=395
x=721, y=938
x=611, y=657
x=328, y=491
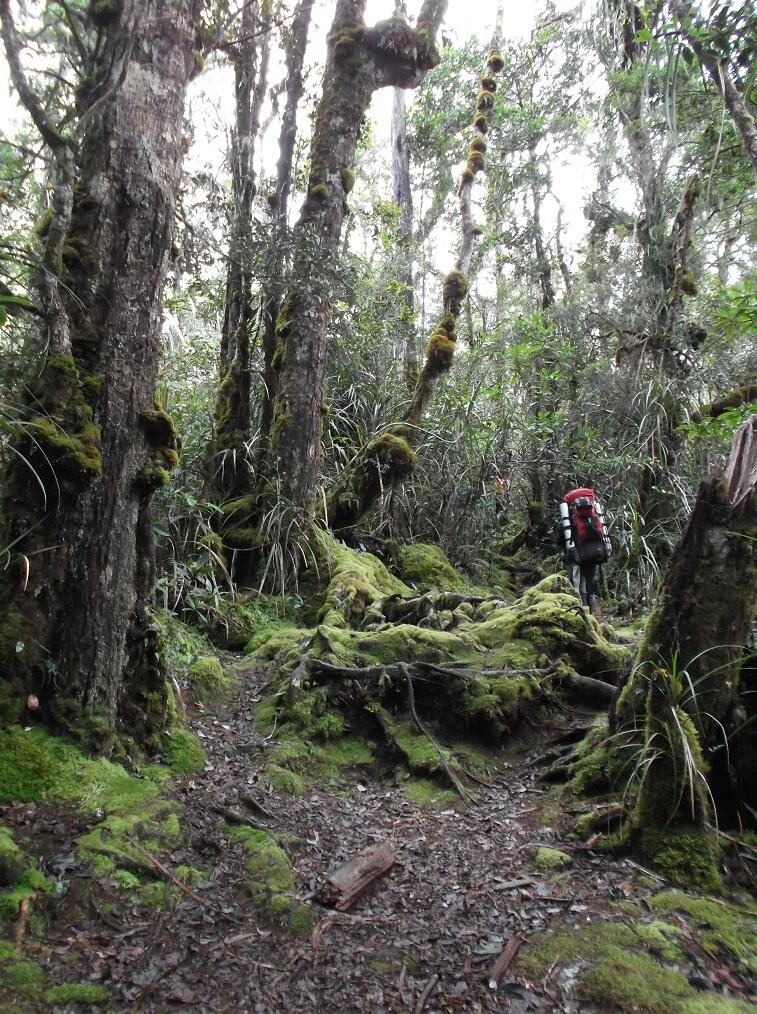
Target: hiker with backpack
x=585, y=542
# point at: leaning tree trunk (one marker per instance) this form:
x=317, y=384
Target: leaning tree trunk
x=390, y=458
x=686, y=690
x=360, y=60
x=74, y=616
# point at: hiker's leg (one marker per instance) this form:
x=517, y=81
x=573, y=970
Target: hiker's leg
x=590, y=574
x=574, y=574
x=583, y=585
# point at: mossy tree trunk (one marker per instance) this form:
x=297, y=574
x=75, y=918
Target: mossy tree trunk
x=360, y=60
x=694, y=646
x=229, y=452
x=93, y=445
x=402, y=192
x=390, y=458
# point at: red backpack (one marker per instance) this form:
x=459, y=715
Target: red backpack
x=589, y=538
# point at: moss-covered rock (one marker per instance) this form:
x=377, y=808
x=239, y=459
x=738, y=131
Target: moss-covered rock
x=209, y=681
x=617, y=967
x=13, y=862
x=356, y=580
x=427, y=568
x=719, y=927
x=77, y=992
x=182, y=751
x=551, y=860
x=271, y=882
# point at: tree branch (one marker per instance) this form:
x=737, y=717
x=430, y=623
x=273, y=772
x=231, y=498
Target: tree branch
x=29, y=99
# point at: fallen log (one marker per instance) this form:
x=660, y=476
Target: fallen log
x=345, y=884
x=591, y=690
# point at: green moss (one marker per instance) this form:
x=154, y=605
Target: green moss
x=311, y=717
x=13, y=862
x=550, y=860
x=276, y=639
x=209, y=680
x=24, y=978
x=711, y=1003
x=348, y=180
x=494, y=704
x=427, y=568
x=346, y=752
x=686, y=857
x=78, y=451
x=182, y=751
x=159, y=428
x=484, y=101
x=495, y=61
x=36, y=766
x=615, y=971
x=478, y=144
x=77, y=992
x=719, y=926
x=660, y=937
x=481, y=123
x=427, y=793
x=346, y=40
x=285, y=781
x=455, y=287
x=103, y=12
x=356, y=580
x=320, y=192
x=28, y=885
x=271, y=883
x=404, y=642
x=476, y=161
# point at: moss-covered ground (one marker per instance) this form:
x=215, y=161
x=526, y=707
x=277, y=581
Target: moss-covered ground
x=338, y=763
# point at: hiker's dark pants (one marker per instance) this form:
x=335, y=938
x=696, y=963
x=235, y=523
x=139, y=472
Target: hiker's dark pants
x=583, y=577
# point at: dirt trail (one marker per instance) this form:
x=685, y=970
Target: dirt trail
x=446, y=909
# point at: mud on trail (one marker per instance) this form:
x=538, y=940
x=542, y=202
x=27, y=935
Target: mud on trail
x=583, y=931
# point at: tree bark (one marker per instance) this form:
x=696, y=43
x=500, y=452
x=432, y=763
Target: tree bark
x=698, y=636
x=402, y=193
x=229, y=460
x=74, y=607
x=359, y=61
x=272, y=290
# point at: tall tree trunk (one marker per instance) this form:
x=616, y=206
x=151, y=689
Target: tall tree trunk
x=229, y=465
x=359, y=61
x=402, y=193
x=74, y=607
x=272, y=290
x=691, y=658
